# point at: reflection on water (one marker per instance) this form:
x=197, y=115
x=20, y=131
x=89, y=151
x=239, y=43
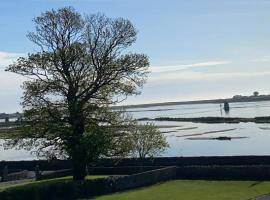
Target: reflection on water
x=253, y=139
x=246, y=138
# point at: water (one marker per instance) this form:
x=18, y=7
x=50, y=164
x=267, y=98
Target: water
x=242, y=109
x=14, y=154
x=255, y=143
x=257, y=139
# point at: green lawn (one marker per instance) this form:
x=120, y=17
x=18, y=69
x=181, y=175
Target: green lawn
x=195, y=190
x=44, y=182
x=175, y=190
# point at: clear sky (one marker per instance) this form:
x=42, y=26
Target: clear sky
x=198, y=49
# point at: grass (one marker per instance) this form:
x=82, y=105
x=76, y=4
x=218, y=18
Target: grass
x=31, y=183
x=195, y=190
x=173, y=190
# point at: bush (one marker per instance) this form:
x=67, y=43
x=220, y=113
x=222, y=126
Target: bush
x=63, y=189
x=256, y=172
x=53, y=190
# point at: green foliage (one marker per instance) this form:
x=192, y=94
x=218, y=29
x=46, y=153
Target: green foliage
x=147, y=141
x=256, y=93
x=55, y=189
x=80, y=70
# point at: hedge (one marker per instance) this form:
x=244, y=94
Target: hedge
x=53, y=165
x=68, y=190
x=256, y=172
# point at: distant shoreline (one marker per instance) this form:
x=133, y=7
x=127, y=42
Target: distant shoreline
x=218, y=101
x=213, y=120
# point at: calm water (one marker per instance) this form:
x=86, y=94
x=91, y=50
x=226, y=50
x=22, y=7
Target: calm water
x=245, y=109
x=182, y=140
x=257, y=136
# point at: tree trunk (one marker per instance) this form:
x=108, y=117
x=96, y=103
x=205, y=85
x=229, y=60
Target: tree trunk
x=79, y=163
x=78, y=148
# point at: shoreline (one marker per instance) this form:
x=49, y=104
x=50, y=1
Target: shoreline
x=210, y=120
x=217, y=101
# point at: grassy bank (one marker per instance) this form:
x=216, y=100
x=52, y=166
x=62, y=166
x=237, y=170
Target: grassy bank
x=195, y=190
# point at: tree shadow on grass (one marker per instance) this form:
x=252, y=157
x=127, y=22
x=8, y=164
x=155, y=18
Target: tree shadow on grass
x=261, y=197
x=256, y=183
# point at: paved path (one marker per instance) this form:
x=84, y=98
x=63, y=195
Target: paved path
x=266, y=197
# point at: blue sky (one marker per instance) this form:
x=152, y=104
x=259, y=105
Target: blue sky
x=198, y=49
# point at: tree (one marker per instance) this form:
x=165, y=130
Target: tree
x=255, y=94
x=147, y=141
x=80, y=70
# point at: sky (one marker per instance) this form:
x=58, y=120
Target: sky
x=197, y=49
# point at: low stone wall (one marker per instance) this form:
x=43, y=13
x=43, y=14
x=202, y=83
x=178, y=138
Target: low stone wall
x=189, y=161
x=99, y=171
x=144, y=179
x=121, y=170
x=54, y=174
x=18, y=176
x=255, y=172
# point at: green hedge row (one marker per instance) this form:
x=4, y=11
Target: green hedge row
x=57, y=191
x=52, y=165
x=256, y=172
x=67, y=190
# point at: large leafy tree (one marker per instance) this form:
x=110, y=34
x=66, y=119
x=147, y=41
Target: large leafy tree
x=82, y=67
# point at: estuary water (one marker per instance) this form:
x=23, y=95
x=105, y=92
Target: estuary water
x=199, y=139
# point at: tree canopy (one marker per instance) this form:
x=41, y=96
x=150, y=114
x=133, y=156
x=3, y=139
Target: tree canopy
x=147, y=141
x=256, y=93
x=81, y=69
